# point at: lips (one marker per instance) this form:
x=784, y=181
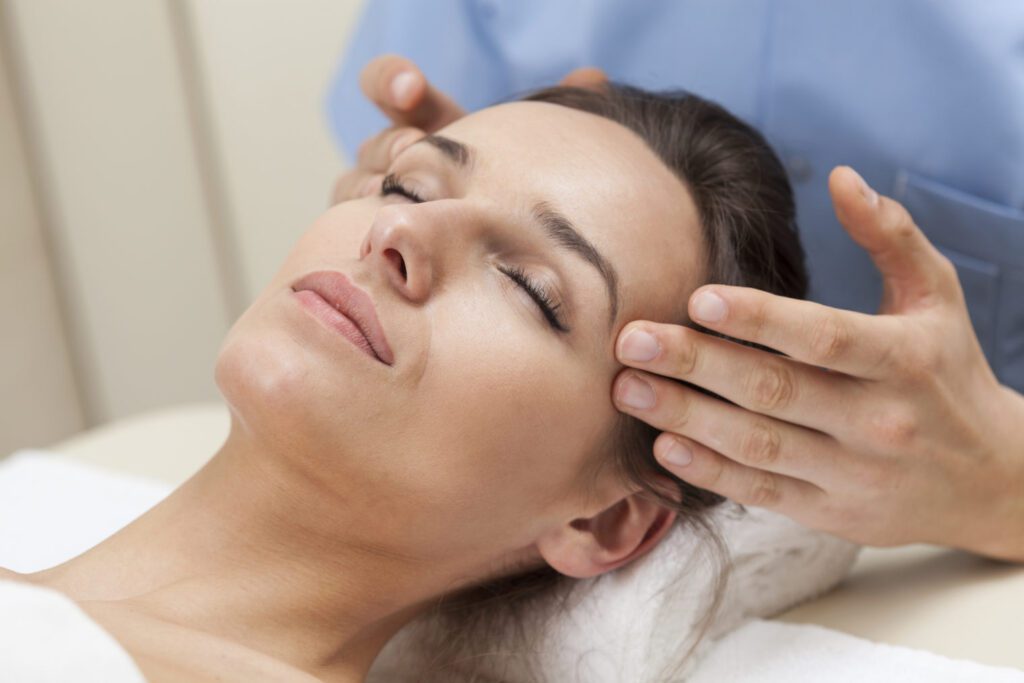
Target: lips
x=352, y=302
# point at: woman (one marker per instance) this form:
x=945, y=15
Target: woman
x=453, y=435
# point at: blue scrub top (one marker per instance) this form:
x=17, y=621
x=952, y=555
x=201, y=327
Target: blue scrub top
x=924, y=97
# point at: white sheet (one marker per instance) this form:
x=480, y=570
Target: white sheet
x=776, y=652
x=46, y=638
x=51, y=509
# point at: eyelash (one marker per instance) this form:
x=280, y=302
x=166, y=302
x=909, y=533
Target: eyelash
x=392, y=185
x=548, y=306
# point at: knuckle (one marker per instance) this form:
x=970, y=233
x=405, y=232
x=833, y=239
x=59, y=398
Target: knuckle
x=685, y=352
x=681, y=409
x=920, y=362
x=897, y=221
x=829, y=339
x=758, y=322
x=770, y=387
x=764, y=491
x=894, y=429
x=762, y=445
x=888, y=359
x=713, y=474
x=903, y=226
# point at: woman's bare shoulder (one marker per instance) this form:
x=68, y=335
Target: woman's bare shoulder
x=164, y=651
x=11, y=575
x=168, y=652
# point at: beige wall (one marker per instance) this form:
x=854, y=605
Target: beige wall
x=38, y=393
x=177, y=148
x=265, y=79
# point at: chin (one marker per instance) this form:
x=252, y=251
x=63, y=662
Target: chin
x=267, y=378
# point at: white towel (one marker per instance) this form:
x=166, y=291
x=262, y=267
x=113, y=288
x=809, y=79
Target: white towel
x=776, y=652
x=52, y=509
x=636, y=624
x=46, y=638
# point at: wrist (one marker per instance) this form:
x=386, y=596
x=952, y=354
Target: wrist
x=996, y=529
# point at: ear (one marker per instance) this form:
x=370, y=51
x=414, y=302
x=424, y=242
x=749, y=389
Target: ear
x=614, y=537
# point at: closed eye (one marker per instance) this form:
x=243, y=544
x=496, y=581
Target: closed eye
x=392, y=185
x=547, y=304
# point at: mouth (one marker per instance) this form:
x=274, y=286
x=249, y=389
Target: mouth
x=346, y=309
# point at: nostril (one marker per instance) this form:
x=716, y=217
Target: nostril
x=396, y=258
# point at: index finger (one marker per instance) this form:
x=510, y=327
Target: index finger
x=853, y=343
x=400, y=90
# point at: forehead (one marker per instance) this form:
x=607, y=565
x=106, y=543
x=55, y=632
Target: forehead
x=606, y=180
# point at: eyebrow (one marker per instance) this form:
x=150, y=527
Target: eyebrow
x=560, y=230
x=556, y=226
x=455, y=151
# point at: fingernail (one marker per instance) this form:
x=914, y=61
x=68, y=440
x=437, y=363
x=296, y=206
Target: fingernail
x=639, y=346
x=677, y=454
x=869, y=195
x=636, y=393
x=709, y=307
x=401, y=88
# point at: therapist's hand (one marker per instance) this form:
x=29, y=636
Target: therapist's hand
x=884, y=429
x=402, y=93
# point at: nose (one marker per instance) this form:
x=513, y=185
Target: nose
x=401, y=251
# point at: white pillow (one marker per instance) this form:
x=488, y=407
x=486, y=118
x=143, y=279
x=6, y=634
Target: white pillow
x=638, y=623
x=624, y=626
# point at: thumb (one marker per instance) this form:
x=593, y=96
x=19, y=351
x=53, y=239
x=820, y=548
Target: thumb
x=913, y=270
x=400, y=90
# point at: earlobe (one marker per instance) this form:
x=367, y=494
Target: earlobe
x=612, y=538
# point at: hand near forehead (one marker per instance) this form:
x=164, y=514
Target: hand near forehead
x=884, y=429
x=402, y=93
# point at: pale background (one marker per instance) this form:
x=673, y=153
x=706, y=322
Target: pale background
x=157, y=160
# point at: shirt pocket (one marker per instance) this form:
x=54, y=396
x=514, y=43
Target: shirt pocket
x=985, y=241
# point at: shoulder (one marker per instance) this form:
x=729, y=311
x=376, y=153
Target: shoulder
x=9, y=575
x=157, y=647
x=45, y=636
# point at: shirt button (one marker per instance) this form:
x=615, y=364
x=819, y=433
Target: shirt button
x=800, y=169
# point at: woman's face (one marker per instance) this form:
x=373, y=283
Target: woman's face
x=474, y=441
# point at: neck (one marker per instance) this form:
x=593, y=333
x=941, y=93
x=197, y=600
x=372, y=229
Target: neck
x=254, y=550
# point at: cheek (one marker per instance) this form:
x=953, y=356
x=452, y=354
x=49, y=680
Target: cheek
x=507, y=418
x=267, y=363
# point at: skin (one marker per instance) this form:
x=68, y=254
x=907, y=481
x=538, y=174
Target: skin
x=907, y=437
x=350, y=494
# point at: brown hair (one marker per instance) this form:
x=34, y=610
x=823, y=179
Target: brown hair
x=747, y=216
